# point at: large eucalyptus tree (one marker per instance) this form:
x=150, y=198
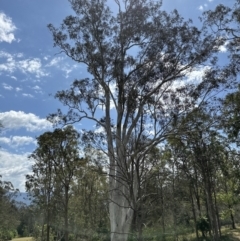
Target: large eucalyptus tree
x=137, y=56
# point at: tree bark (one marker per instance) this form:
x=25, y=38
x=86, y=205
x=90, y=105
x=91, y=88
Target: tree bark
x=211, y=208
x=121, y=217
x=162, y=219
x=233, y=220
x=66, y=231
x=194, y=213
x=121, y=212
x=217, y=212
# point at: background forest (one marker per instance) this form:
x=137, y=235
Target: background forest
x=165, y=163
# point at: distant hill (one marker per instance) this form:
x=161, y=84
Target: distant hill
x=22, y=197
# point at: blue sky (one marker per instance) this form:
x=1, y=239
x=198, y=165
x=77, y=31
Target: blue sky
x=31, y=71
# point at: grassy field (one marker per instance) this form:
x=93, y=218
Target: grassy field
x=23, y=239
x=227, y=235
x=233, y=234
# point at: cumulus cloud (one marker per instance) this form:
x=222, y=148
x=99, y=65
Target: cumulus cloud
x=193, y=77
x=196, y=75
x=5, y=140
x=204, y=5
x=32, y=66
x=59, y=63
x=7, y=87
x=27, y=95
x=19, y=119
x=46, y=57
x=14, y=62
x=15, y=141
x=7, y=28
x=36, y=87
x=22, y=140
x=18, y=89
x=14, y=167
x=13, y=77
x=55, y=62
x=99, y=129
x=223, y=48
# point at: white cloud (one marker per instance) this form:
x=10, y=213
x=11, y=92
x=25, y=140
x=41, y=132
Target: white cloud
x=5, y=55
x=193, y=77
x=5, y=140
x=204, y=6
x=23, y=140
x=19, y=55
x=32, y=66
x=100, y=129
x=27, y=95
x=223, y=48
x=68, y=69
x=46, y=57
x=13, y=77
x=55, y=62
x=36, y=87
x=14, y=167
x=18, y=89
x=59, y=63
x=19, y=119
x=196, y=75
x=13, y=62
x=16, y=141
x=7, y=28
x=7, y=87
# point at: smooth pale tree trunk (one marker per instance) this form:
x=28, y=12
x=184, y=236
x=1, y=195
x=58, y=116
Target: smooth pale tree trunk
x=121, y=205
x=66, y=215
x=163, y=213
x=174, y=205
x=121, y=213
x=211, y=207
x=48, y=218
x=121, y=194
x=217, y=212
x=120, y=217
x=196, y=192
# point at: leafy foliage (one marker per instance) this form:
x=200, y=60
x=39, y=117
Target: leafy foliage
x=8, y=211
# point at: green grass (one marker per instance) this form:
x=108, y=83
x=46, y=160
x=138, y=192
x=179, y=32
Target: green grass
x=23, y=239
x=227, y=235
x=231, y=234
x=151, y=234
